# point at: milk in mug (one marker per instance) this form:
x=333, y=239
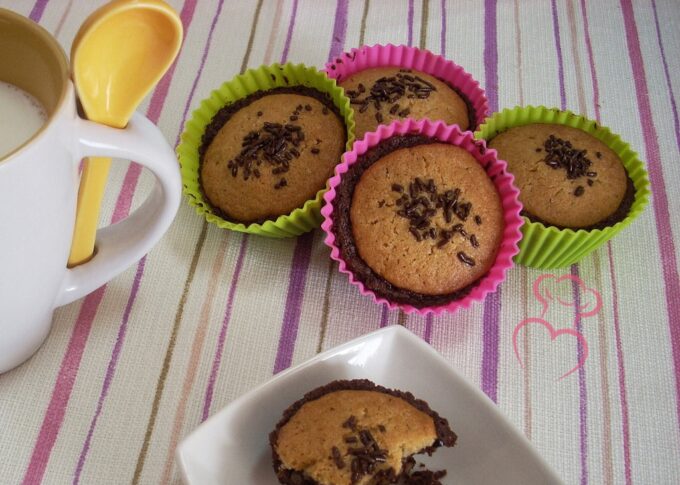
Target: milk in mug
x=21, y=116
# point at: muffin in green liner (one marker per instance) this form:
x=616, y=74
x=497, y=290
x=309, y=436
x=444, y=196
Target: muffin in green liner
x=300, y=220
x=544, y=246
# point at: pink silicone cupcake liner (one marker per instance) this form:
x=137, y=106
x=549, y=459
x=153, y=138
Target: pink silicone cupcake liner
x=495, y=168
x=366, y=57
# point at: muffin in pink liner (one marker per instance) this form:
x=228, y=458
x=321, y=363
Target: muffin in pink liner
x=376, y=208
x=388, y=82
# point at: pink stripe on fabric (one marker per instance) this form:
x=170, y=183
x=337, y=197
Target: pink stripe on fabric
x=207, y=401
x=56, y=409
x=674, y=106
x=127, y=193
x=289, y=35
x=615, y=298
x=70, y=365
x=38, y=10
x=111, y=369
x=492, y=303
x=303, y=247
x=660, y=200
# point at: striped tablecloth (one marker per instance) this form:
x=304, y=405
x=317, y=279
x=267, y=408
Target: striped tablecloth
x=207, y=315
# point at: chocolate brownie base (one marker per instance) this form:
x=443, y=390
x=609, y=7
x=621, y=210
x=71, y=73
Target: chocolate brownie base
x=619, y=214
x=342, y=228
x=445, y=436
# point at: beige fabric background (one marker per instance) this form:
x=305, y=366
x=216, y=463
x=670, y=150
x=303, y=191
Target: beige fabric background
x=208, y=315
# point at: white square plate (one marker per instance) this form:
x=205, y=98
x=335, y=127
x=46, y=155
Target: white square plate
x=232, y=447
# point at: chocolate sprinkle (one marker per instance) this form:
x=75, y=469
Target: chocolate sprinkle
x=388, y=90
x=465, y=258
x=315, y=150
x=259, y=113
x=580, y=190
x=337, y=458
x=473, y=241
x=561, y=154
x=351, y=423
x=274, y=144
x=478, y=220
x=420, y=204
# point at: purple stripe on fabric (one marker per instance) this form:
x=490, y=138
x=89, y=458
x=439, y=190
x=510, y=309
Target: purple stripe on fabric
x=289, y=35
x=591, y=62
x=410, y=23
x=339, y=29
x=443, y=31
x=223, y=331
x=491, y=344
x=38, y=10
x=623, y=393
x=558, y=48
x=615, y=297
x=291, y=315
x=56, y=409
x=68, y=371
x=492, y=304
x=490, y=54
x=111, y=369
x=674, y=106
x=583, y=395
x=427, y=335
x=660, y=200
x=384, y=316
x=302, y=254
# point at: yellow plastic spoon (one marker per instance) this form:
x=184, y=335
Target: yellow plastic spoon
x=119, y=54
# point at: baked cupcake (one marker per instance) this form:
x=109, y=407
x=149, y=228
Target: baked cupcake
x=381, y=95
x=256, y=155
x=418, y=215
x=271, y=151
x=354, y=433
x=388, y=82
x=567, y=178
x=580, y=183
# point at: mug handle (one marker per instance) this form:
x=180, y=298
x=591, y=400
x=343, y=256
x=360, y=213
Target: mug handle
x=120, y=245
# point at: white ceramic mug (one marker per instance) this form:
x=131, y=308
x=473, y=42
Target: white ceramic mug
x=38, y=190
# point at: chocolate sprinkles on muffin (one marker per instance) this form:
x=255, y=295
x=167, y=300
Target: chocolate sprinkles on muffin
x=270, y=152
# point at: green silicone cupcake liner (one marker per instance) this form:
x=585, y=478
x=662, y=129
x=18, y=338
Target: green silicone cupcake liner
x=549, y=247
x=302, y=219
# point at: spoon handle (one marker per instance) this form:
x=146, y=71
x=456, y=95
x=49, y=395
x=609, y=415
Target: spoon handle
x=90, y=194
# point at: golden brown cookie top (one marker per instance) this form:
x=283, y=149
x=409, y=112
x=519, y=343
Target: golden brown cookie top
x=383, y=94
x=272, y=155
x=318, y=440
x=566, y=177
x=427, y=218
